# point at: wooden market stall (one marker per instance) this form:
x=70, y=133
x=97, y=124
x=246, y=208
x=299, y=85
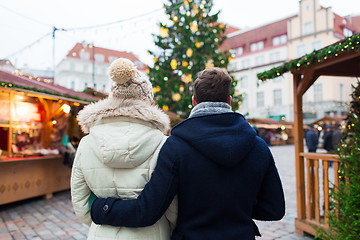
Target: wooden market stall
x=37, y=120
x=281, y=131
x=312, y=193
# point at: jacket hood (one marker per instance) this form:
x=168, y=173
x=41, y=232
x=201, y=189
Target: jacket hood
x=223, y=138
x=116, y=107
x=124, y=133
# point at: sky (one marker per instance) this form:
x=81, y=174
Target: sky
x=26, y=26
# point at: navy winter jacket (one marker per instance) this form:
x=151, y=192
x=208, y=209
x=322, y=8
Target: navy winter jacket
x=224, y=176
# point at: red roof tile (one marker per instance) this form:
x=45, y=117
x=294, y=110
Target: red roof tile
x=342, y=22
x=265, y=33
x=75, y=53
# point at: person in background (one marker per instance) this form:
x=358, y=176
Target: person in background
x=117, y=157
x=328, y=142
x=311, y=139
x=337, y=136
x=224, y=175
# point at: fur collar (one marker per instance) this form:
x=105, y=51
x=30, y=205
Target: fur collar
x=116, y=107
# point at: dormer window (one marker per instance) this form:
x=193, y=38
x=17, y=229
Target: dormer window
x=347, y=32
x=279, y=40
x=84, y=55
x=99, y=57
x=257, y=46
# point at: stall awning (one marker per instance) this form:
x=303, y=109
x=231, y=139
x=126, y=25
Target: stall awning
x=39, y=86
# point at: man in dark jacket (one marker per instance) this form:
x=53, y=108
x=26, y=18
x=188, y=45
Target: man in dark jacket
x=311, y=139
x=224, y=175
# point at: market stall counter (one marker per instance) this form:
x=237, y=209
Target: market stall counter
x=38, y=136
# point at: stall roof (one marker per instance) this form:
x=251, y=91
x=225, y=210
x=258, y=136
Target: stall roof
x=269, y=123
x=41, y=86
x=334, y=119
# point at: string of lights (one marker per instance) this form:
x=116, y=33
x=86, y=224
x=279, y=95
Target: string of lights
x=22, y=15
x=135, y=19
x=29, y=46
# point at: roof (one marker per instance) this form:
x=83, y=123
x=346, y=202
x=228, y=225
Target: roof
x=332, y=119
x=230, y=29
x=264, y=33
x=356, y=22
x=269, y=123
x=36, y=85
x=343, y=22
x=6, y=62
x=347, y=45
x=79, y=47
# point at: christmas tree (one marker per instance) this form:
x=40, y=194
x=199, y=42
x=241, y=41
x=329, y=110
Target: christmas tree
x=344, y=216
x=189, y=41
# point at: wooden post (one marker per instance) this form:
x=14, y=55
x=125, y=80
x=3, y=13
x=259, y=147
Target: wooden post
x=326, y=190
x=11, y=111
x=317, y=197
x=299, y=147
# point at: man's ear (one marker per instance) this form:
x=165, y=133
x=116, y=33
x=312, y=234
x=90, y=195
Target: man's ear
x=194, y=101
x=229, y=102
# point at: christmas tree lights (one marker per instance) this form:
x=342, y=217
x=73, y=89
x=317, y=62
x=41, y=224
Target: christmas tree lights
x=188, y=42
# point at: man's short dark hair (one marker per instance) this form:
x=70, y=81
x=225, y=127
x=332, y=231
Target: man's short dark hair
x=212, y=85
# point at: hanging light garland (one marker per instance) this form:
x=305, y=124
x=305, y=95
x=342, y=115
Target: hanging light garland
x=35, y=89
x=348, y=44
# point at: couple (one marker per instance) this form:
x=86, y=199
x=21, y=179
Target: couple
x=209, y=179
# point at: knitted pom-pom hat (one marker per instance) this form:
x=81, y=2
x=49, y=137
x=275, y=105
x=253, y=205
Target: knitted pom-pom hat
x=129, y=82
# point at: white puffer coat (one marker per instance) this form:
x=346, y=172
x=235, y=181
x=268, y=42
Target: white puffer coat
x=116, y=159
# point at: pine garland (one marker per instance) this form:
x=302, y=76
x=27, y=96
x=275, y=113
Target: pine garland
x=346, y=45
x=35, y=89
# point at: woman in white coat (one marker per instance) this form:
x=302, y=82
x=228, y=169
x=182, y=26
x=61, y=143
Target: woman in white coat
x=117, y=157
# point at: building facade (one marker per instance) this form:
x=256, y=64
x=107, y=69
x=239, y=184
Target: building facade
x=85, y=66
x=262, y=48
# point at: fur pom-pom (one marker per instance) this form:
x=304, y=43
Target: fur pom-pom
x=122, y=70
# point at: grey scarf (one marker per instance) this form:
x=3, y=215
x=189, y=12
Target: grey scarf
x=208, y=108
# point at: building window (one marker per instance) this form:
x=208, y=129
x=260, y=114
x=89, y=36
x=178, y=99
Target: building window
x=279, y=40
x=257, y=46
x=277, y=97
x=245, y=100
x=85, y=68
x=308, y=28
x=99, y=57
x=347, y=32
x=301, y=50
x=318, y=92
x=277, y=79
x=72, y=85
x=104, y=86
x=86, y=85
x=72, y=67
x=244, y=82
x=245, y=63
x=239, y=51
x=260, y=99
x=274, y=57
x=94, y=85
x=259, y=60
x=342, y=92
x=316, y=45
x=84, y=55
x=112, y=58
